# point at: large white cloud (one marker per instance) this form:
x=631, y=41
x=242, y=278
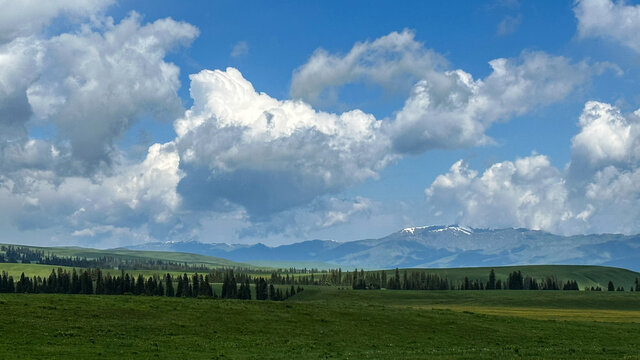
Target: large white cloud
x=90, y=84
x=597, y=191
x=604, y=18
x=528, y=192
x=393, y=61
x=269, y=155
x=445, y=108
x=452, y=110
x=94, y=85
x=136, y=194
x=607, y=137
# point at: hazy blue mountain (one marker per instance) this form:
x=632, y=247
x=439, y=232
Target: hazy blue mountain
x=435, y=246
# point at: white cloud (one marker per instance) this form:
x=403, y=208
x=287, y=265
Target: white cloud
x=91, y=84
x=136, y=194
x=28, y=17
x=269, y=155
x=452, y=110
x=528, y=192
x=241, y=48
x=606, y=137
x=606, y=19
x=393, y=61
x=445, y=108
x=597, y=192
x=94, y=85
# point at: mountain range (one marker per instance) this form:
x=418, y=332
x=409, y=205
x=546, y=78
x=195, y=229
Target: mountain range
x=431, y=246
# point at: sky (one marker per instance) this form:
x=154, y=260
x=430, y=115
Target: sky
x=125, y=122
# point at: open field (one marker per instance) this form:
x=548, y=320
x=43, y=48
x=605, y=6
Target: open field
x=540, y=304
x=324, y=323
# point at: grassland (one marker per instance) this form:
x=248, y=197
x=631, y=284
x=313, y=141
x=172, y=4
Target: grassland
x=322, y=323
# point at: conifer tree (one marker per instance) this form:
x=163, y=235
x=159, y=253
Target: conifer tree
x=75, y=282
x=160, y=291
x=139, y=287
x=491, y=285
x=272, y=292
x=169, y=291
x=100, y=289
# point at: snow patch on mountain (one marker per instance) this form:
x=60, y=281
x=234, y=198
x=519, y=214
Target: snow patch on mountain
x=453, y=228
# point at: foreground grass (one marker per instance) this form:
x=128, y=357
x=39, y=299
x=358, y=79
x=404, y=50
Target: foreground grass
x=317, y=323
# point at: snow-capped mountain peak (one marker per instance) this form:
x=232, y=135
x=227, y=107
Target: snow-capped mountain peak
x=451, y=228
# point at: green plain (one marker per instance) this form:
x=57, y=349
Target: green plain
x=321, y=323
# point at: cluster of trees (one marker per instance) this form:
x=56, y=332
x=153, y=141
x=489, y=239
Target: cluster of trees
x=93, y=281
x=23, y=254
x=420, y=280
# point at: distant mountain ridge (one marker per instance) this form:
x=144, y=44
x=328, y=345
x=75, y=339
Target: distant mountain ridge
x=435, y=246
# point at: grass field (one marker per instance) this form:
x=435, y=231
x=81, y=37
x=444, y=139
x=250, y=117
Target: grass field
x=325, y=323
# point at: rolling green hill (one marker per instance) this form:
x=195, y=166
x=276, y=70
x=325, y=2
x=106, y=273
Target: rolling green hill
x=125, y=254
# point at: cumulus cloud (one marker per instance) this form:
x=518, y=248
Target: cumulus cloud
x=606, y=19
x=445, y=108
x=528, y=192
x=270, y=155
x=91, y=84
x=607, y=137
x=452, y=110
x=94, y=85
x=136, y=194
x=393, y=61
x=597, y=191
x=28, y=17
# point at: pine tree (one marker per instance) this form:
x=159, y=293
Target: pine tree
x=100, y=289
x=169, y=291
x=272, y=292
x=75, y=282
x=491, y=285
x=396, y=279
x=139, y=287
x=196, y=285
x=160, y=291
x=610, y=286
x=188, y=290
x=86, y=284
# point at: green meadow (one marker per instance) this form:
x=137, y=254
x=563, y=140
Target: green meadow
x=324, y=323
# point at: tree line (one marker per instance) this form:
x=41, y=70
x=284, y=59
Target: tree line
x=420, y=280
x=94, y=281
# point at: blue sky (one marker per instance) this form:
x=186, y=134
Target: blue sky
x=135, y=121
